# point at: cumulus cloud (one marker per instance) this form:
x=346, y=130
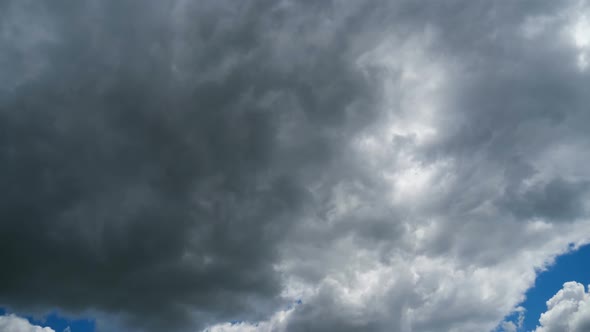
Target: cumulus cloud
x=12, y=323
x=397, y=165
x=567, y=311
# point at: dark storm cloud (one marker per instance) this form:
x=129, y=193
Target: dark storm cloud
x=144, y=174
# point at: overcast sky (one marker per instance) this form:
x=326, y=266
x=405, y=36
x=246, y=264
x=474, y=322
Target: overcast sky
x=291, y=166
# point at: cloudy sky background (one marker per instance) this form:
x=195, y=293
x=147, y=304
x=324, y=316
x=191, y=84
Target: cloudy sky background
x=292, y=165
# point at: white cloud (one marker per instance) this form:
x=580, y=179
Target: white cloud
x=567, y=311
x=12, y=323
x=277, y=323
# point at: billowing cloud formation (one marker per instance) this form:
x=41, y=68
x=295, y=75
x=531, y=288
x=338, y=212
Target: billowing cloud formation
x=12, y=323
x=567, y=311
x=397, y=166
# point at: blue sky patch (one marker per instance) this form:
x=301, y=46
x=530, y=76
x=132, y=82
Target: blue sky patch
x=569, y=267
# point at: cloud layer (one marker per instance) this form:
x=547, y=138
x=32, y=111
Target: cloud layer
x=395, y=166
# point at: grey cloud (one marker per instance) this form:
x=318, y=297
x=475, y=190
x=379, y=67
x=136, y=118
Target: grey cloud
x=511, y=114
x=175, y=165
x=146, y=173
x=556, y=200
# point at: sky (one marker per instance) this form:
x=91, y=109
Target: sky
x=569, y=267
x=286, y=166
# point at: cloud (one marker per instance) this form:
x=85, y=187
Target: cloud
x=275, y=323
x=399, y=166
x=567, y=311
x=152, y=168
x=12, y=323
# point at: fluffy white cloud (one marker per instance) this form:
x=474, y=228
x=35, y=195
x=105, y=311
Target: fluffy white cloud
x=567, y=311
x=12, y=323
